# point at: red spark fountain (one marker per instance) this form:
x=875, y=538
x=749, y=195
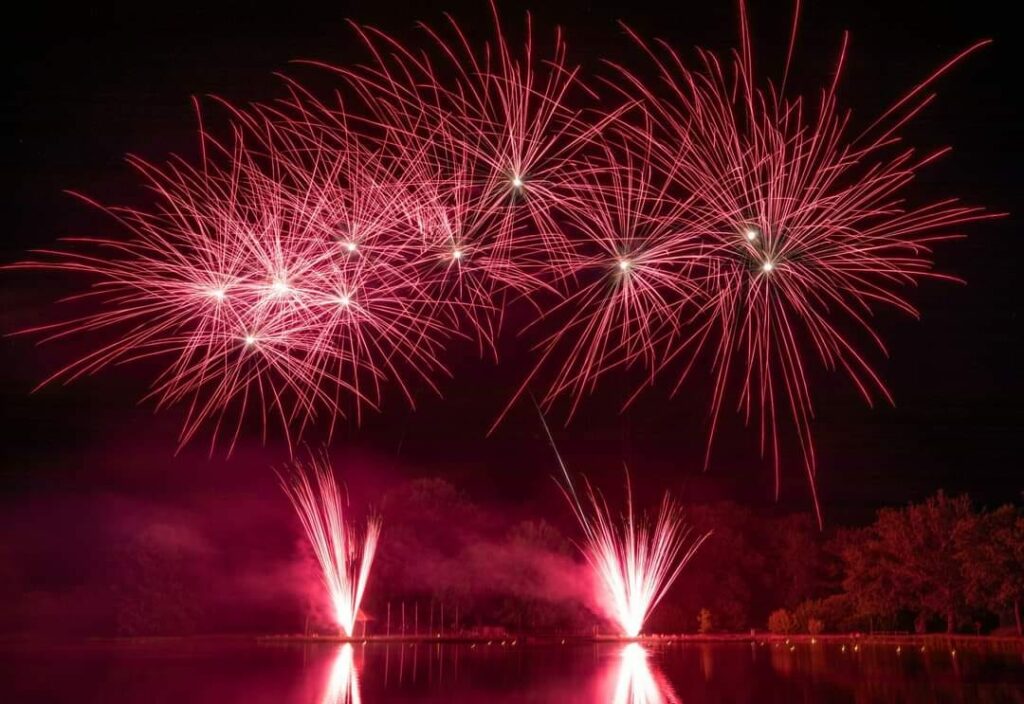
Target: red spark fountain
x=635, y=561
x=344, y=555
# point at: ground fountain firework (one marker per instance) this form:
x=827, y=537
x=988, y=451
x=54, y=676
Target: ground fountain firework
x=343, y=553
x=635, y=559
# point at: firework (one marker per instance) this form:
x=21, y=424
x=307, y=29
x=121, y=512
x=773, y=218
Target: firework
x=505, y=130
x=268, y=282
x=334, y=248
x=634, y=559
x=797, y=231
x=633, y=270
x=344, y=554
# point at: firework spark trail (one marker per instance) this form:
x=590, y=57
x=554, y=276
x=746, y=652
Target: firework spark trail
x=635, y=561
x=344, y=554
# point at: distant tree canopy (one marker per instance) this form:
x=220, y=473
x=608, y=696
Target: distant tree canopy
x=935, y=560
x=935, y=564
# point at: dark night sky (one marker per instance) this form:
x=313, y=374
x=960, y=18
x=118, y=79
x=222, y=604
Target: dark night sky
x=87, y=85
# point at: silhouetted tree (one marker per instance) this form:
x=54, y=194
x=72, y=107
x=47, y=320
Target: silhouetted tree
x=793, y=546
x=781, y=622
x=909, y=558
x=991, y=548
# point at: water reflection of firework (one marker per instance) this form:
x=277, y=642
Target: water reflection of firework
x=344, y=555
x=640, y=683
x=343, y=681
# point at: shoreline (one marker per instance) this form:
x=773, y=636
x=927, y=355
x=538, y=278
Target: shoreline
x=507, y=641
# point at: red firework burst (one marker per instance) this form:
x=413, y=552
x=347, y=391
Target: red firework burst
x=706, y=216
x=504, y=148
x=633, y=273
x=279, y=276
x=800, y=229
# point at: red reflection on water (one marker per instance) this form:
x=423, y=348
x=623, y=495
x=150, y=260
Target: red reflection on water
x=639, y=682
x=343, y=680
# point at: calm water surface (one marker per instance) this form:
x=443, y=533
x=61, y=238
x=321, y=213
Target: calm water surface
x=220, y=672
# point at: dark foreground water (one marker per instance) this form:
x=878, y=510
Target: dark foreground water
x=224, y=672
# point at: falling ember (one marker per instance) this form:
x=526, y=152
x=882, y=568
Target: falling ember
x=344, y=555
x=637, y=683
x=635, y=561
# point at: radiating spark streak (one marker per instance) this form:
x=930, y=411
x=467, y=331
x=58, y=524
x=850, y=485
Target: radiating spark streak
x=344, y=554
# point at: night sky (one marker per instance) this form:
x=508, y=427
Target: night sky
x=87, y=85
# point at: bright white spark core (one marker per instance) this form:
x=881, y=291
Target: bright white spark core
x=767, y=267
x=517, y=182
x=457, y=254
x=751, y=234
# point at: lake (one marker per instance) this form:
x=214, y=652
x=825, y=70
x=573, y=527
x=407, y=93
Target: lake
x=221, y=672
